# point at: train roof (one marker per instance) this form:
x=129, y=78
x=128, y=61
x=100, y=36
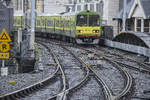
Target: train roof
x=69, y=13
x=88, y=13
x=18, y=14
x=48, y=14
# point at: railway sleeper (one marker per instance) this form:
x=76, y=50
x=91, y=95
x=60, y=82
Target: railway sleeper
x=21, y=94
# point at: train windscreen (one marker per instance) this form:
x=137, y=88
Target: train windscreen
x=94, y=20
x=82, y=20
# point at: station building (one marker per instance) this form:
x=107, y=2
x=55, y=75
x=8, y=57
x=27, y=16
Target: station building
x=18, y=5
x=138, y=16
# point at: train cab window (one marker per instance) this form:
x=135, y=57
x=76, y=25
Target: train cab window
x=82, y=20
x=94, y=20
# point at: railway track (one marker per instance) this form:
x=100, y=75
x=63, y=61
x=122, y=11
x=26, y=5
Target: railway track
x=35, y=87
x=108, y=92
x=126, y=75
x=63, y=95
x=122, y=60
x=136, y=67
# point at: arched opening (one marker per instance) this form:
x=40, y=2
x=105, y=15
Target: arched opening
x=131, y=38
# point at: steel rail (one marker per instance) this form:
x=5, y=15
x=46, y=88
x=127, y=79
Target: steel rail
x=126, y=74
x=62, y=96
x=107, y=90
x=145, y=66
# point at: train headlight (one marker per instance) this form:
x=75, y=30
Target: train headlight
x=79, y=31
x=95, y=31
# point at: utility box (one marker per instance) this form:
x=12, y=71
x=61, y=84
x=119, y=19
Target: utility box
x=107, y=32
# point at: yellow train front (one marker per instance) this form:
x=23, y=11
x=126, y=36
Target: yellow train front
x=88, y=29
x=83, y=27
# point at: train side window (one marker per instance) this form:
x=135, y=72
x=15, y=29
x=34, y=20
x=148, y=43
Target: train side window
x=49, y=23
x=57, y=23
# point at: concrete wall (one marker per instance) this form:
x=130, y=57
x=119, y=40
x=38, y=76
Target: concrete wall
x=129, y=47
x=55, y=6
x=113, y=9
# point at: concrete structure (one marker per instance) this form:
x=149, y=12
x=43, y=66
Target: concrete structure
x=138, y=16
x=18, y=5
x=129, y=47
x=55, y=6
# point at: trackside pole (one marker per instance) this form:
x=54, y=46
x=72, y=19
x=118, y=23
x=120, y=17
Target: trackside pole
x=4, y=70
x=3, y=63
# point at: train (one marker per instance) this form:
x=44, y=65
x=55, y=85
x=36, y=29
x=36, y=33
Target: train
x=83, y=27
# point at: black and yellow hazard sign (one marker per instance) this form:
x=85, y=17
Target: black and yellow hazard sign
x=4, y=47
x=4, y=37
x=4, y=55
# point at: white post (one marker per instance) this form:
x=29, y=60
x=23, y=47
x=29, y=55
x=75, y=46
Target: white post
x=3, y=63
x=94, y=6
x=149, y=26
x=142, y=25
x=4, y=70
x=135, y=22
x=32, y=35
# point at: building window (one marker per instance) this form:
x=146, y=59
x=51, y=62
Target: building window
x=85, y=7
x=79, y=8
x=130, y=24
x=98, y=8
x=146, y=25
x=17, y=3
x=20, y=4
x=92, y=7
x=138, y=26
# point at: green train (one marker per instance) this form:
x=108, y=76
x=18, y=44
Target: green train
x=83, y=27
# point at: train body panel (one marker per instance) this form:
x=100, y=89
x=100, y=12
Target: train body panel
x=84, y=26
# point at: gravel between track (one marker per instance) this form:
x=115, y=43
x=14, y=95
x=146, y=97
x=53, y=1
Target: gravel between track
x=27, y=79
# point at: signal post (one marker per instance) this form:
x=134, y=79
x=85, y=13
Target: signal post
x=4, y=51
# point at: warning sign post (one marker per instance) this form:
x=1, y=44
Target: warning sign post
x=4, y=48
x=4, y=37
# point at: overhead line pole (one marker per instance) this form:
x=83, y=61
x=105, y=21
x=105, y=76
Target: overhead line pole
x=32, y=35
x=25, y=14
x=124, y=16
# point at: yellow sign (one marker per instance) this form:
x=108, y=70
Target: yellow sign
x=4, y=55
x=4, y=37
x=4, y=47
